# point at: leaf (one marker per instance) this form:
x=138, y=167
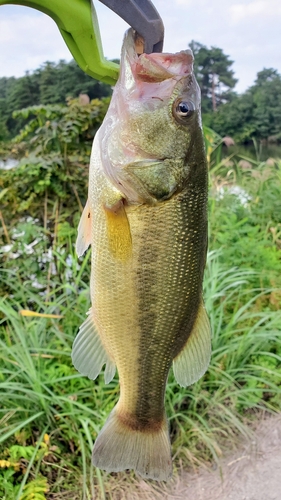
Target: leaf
x=3, y=192
x=25, y=312
x=35, y=490
x=17, y=452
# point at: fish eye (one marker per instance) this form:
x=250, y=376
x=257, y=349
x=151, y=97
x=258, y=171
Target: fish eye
x=183, y=109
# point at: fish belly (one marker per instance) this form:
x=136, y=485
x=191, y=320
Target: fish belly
x=145, y=305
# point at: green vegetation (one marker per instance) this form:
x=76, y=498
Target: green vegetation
x=49, y=414
x=253, y=116
x=50, y=84
x=214, y=75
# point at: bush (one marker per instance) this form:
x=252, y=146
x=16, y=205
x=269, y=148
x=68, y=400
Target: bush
x=50, y=414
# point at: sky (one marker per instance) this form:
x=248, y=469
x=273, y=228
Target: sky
x=248, y=31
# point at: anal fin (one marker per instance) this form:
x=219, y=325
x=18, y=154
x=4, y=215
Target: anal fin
x=193, y=360
x=88, y=353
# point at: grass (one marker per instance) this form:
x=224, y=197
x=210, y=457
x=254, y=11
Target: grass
x=50, y=415
x=42, y=394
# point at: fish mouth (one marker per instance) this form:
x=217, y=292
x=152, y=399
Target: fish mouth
x=156, y=67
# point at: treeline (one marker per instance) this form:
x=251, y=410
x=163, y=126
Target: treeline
x=50, y=84
x=255, y=114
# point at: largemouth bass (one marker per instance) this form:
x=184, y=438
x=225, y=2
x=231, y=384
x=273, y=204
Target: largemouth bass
x=146, y=219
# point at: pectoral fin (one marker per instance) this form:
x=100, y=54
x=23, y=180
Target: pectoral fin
x=84, y=231
x=192, y=362
x=88, y=353
x=118, y=231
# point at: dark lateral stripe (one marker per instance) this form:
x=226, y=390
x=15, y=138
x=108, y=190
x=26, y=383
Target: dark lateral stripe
x=169, y=282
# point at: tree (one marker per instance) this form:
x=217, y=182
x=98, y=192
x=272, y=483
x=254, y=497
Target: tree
x=267, y=104
x=235, y=119
x=214, y=74
x=4, y=134
x=52, y=83
x=73, y=81
x=254, y=114
x=265, y=76
x=47, y=78
x=23, y=92
x=60, y=81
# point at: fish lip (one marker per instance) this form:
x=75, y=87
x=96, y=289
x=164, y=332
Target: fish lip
x=157, y=66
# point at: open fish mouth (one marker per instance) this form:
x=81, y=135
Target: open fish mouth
x=155, y=67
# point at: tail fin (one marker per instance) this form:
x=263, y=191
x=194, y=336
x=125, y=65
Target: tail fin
x=118, y=447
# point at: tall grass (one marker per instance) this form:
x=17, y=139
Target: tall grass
x=49, y=414
x=243, y=376
x=42, y=394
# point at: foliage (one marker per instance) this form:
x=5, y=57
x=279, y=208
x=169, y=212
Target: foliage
x=213, y=145
x=50, y=84
x=50, y=415
x=214, y=74
x=48, y=186
x=254, y=114
x=249, y=233
x=53, y=150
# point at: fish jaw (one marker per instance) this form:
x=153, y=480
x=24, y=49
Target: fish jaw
x=140, y=123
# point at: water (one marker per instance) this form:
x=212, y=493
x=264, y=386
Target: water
x=7, y=164
x=262, y=153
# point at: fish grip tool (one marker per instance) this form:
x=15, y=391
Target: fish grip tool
x=78, y=24
x=143, y=17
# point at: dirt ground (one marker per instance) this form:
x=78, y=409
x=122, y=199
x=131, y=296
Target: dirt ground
x=253, y=473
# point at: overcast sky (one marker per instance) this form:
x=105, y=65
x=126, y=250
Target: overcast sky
x=249, y=31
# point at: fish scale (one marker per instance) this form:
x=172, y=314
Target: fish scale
x=156, y=276
x=146, y=220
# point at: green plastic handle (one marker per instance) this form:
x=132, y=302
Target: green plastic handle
x=78, y=24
